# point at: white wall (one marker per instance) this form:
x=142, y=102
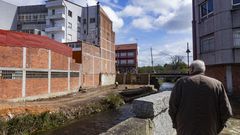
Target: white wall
x=76, y=11
x=8, y=14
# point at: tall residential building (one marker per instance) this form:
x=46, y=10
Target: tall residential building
x=32, y=19
x=8, y=13
x=61, y=20
x=127, y=58
x=216, y=39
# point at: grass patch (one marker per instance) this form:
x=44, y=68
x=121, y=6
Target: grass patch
x=114, y=100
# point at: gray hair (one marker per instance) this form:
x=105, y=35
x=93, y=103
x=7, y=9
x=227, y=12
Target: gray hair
x=198, y=66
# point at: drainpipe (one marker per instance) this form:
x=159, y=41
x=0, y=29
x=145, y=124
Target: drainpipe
x=87, y=20
x=194, y=31
x=98, y=24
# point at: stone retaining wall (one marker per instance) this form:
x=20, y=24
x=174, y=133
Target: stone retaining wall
x=151, y=117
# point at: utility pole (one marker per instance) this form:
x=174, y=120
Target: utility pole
x=188, y=51
x=152, y=60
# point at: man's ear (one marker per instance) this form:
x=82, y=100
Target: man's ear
x=191, y=69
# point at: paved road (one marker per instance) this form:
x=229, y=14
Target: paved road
x=233, y=124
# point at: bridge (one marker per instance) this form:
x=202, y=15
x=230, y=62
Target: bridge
x=175, y=75
x=147, y=78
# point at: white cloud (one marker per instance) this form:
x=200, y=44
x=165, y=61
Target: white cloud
x=171, y=15
x=163, y=53
x=144, y=23
x=117, y=21
x=84, y=2
x=131, y=11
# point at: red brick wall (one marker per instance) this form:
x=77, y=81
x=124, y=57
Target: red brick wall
x=236, y=80
x=59, y=61
x=88, y=80
x=217, y=72
x=74, y=66
x=36, y=86
x=107, y=44
x=37, y=58
x=74, y=82
x=11, y=56
x=59, y=84
x=10, y=89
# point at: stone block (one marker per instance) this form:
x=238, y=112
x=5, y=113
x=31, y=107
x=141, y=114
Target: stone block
x=151, y=106
x=132, y=126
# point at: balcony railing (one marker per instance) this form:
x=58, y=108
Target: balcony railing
x=56, y=16
x=57, y=3
x=55, y=28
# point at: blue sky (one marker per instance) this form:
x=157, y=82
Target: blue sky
x=164, y=25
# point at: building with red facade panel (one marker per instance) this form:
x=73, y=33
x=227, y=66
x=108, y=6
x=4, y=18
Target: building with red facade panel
x=127, y=58
x=35, y=66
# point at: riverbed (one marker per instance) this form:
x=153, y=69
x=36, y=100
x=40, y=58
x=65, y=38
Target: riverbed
x=95, y=124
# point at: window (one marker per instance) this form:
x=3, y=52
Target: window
x=92, y=20
x=206, y=8
x=69, y=25
x=53, y=12
x=236, y=2
x=79, y=29
x=79, y=19
x=207, y=44
x=131, y=54
x=123, y=61
x=69, y=13
x=123, y=54
x=69, y=37
x=84, y=21
x=236, y=38
x=130, y=61
x=52, y=36
x=35, y=17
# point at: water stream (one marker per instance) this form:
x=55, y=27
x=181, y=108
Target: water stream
x=95, y=124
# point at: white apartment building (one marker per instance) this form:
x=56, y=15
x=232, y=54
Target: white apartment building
x=61, y=20
x=69, y=22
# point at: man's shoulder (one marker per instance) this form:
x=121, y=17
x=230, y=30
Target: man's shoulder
x=210, y=79
x=199, y=76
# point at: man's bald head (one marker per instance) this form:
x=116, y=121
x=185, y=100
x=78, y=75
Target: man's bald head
x=197, y=66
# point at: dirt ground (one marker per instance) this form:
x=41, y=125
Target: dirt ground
x=10, y=109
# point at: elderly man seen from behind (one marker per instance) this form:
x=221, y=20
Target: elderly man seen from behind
x=198, y=104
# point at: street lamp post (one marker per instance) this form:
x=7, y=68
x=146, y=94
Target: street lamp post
x=188, y=51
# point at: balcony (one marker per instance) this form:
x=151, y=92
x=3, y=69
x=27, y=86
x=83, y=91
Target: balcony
x=54, y=3
x=55, y=29
x=56, y=16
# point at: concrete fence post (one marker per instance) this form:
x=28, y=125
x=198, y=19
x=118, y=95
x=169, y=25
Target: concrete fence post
x=24, y=60
x=149, y=79
x=124, y=78
x=80, y=76
x=69, y=68
x=49, y=70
